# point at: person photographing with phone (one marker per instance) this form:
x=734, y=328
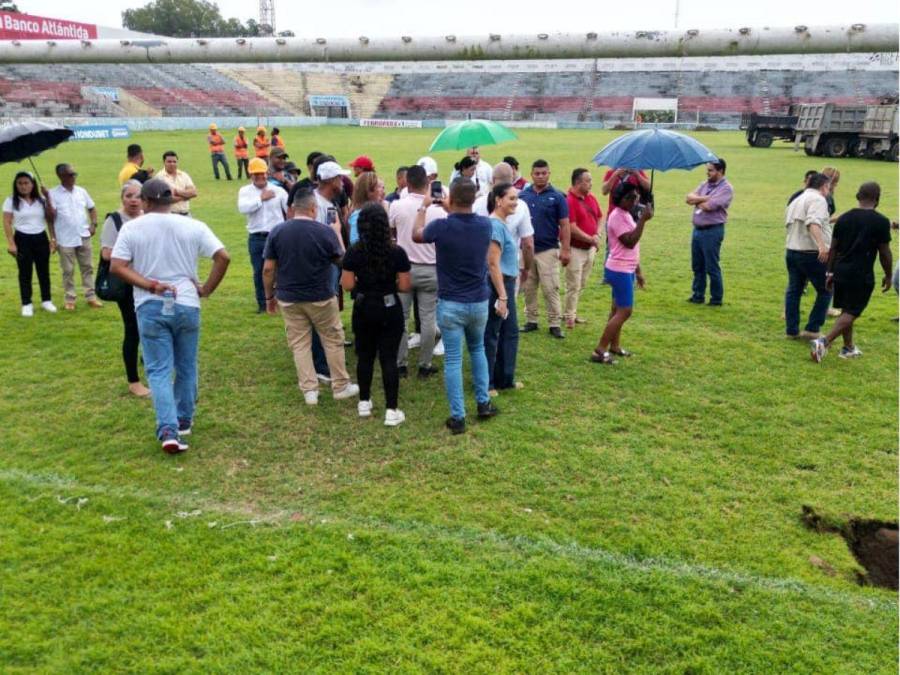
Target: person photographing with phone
x=622, y=269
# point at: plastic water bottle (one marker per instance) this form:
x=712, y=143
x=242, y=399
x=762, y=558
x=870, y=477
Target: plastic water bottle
x=168, y=308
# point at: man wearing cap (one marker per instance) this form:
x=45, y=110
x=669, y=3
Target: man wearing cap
x=361, y=164
x=293, y=171
x=265, y=205
x=217, y=151
x=133, y=169
x=241, y=154
x=261, y=145
x=70, y=207
x=183, y=189
x=431, y=173
x=328, y=191
x=156, y=254
x=299, y=258
x=277, y=175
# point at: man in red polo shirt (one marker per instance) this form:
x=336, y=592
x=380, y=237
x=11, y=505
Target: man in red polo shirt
x=614, y=176
x=362, y=164
x=584, y=217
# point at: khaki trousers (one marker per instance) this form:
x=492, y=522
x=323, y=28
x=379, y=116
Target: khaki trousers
x=544, y=271
x=577, y=273
x=299, y=320
x=68, y=255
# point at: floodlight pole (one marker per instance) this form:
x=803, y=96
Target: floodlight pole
x=620, y=44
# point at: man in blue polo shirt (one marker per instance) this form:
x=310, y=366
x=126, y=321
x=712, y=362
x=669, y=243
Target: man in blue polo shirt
x=461, y=243
x=550, y=219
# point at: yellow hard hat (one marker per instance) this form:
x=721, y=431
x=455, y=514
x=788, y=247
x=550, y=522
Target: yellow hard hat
x=213, y=127
x=241, y=129
x=257, y=165
x=260, y=128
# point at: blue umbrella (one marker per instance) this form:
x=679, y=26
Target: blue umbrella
x=654, y=149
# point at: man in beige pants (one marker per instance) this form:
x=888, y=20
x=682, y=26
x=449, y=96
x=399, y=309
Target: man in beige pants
x=70, y=208
x=584, y=217
x=297, y=279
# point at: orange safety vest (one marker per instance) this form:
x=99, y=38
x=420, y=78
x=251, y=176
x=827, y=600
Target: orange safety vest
x=216, y=143
x=277, y=142
x=240, y=147
x=262, y=146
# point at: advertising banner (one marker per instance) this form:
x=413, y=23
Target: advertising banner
x=28, y=27
x=100, y=132
x=406, y=124
x=320, y=101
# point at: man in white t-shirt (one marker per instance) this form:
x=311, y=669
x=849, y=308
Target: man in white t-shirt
x=157, y=254
x=330, y=185
x=70, y=209
x=519, y=224
x=265, y=205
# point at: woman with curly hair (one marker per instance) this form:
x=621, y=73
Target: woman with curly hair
x=375, y=271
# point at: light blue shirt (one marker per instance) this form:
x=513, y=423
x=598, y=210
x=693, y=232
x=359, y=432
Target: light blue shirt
x=354, y=228
x=509, y=254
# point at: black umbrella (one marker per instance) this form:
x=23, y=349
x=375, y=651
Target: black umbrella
x=26, y=139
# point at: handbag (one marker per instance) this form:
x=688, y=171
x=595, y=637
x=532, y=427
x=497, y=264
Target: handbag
x=109, y=286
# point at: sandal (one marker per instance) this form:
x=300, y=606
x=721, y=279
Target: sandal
x=620, y=352
x=605, y=358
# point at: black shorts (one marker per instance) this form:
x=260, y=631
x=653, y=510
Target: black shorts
x=852, y=296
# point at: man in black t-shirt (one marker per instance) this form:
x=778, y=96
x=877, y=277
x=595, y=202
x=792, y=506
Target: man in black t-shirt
x=858, y=235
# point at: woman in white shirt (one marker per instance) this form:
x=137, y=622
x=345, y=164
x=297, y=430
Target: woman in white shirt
x=25, y=223
x=131, y=208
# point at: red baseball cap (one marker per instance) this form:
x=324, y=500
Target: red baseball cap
x=364, y=163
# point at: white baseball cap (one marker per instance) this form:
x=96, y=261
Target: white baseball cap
x=329, y=170
x=430, y=166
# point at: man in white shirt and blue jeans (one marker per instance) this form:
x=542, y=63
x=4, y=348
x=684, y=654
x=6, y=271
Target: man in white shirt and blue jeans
x=70, y=207
x=157, y=254
x=265, y=205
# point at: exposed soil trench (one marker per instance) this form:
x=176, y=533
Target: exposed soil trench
x=874, y=544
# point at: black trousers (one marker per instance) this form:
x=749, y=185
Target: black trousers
x=33, y=253
x=242, y=163
x=132, y=339
x=377, y=330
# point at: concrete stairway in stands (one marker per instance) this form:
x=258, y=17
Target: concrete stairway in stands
x=366, y=91
x=280, y=86
x=135, y=107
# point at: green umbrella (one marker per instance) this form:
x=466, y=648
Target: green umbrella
x=470, y=133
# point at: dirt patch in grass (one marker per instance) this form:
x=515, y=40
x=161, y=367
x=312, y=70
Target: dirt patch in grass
x=874, y=544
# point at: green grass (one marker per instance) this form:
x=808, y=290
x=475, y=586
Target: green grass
x=643, y=517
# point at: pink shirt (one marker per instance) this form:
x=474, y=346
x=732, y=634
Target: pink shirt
x=621, y=258
x=402, y=215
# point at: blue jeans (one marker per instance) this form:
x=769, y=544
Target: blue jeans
x=501, y=340
x=256, y=244
x=170, y=343
x=706, y=243
x=803, y=266
x=458, y=320
x=219, y=158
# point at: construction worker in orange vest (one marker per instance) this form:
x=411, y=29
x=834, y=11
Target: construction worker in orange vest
x=261, y=143
x=276, y=138
x=217, y=151
x=240, y=152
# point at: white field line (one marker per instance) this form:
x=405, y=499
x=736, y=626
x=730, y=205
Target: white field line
x=468, y=535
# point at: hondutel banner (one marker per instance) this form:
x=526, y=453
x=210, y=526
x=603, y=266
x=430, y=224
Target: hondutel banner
x=27, y=27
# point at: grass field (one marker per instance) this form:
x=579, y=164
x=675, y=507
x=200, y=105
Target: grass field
x=644, y=517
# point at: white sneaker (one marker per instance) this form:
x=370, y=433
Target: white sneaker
x=311, y=397
x=364, y=408
x=349, y=391
x=818, y=348
x=439, y=348
x=850, y=352
x=28, y=310
x=414, y=340
x=393, y=418
x=324, y=379
x=48, y=306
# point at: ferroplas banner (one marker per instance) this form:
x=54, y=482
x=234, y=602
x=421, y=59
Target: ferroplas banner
x=98, y=132
x=391, y=124
x=27, y=27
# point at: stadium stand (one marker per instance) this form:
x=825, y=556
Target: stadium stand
x=709, y=90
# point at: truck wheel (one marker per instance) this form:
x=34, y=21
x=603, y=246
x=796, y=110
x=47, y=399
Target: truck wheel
x=835, y=147
x=810, y=152
x=763, y=139
x=751, y=141
x=853, y=148
x=892, y=153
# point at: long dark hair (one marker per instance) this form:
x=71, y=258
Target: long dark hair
x=495, y=194
x=374, y=239
x=465, y=163
x=35, y=194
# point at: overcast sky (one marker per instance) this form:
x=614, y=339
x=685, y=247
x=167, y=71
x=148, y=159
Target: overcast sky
x=352, y=18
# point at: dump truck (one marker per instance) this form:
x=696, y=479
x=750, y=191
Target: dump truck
x=829, y=129
x=878, y=139
x=763, y=129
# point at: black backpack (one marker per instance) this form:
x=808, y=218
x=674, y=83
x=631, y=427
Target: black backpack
x=108, y=286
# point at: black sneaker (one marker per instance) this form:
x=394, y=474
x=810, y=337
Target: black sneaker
x=456, y=425
x=403, y=371
x=715, y=303
x=529, y=328
x=486, y=410
x=556, y=332
x=427, y=371
x=695, y=301
x=172, y=445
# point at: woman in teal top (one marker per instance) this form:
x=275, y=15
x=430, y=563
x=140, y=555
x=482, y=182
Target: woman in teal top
x=369, y=189
x=501, y=334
